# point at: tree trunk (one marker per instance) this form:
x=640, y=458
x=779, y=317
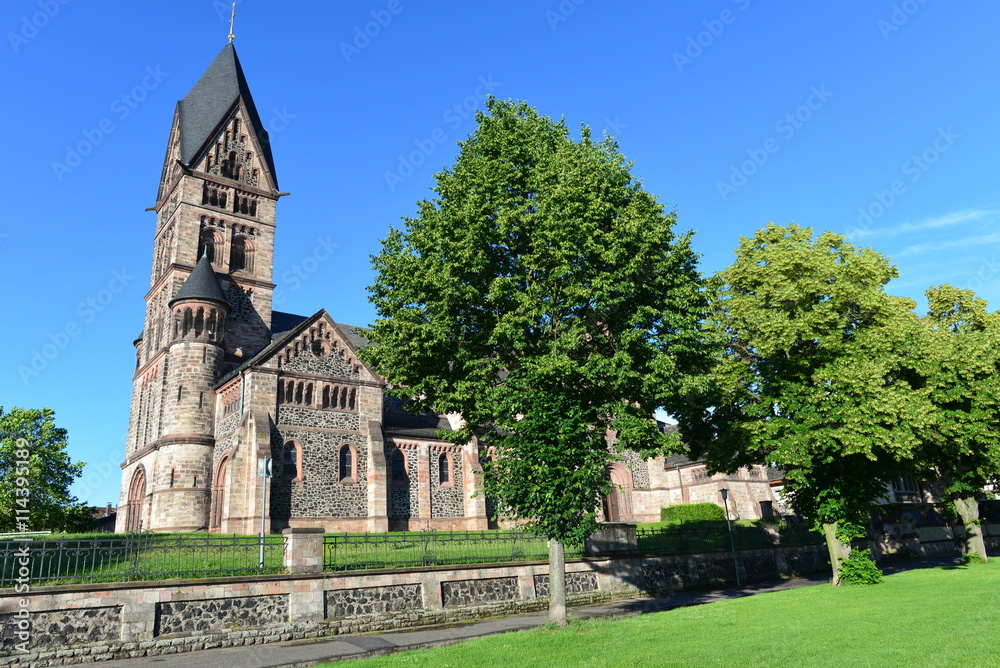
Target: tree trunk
x=968, y=510
x=838, y=550
x=557, y=583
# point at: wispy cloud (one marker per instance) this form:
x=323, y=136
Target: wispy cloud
x=948, y=244
x=935, y=222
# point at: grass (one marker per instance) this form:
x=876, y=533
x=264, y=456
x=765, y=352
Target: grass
x=945, y=616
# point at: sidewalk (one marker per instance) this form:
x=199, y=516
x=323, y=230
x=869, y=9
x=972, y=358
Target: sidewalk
x=300, y=653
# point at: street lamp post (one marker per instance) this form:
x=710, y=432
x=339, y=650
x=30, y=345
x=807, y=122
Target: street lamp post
x=732, y=543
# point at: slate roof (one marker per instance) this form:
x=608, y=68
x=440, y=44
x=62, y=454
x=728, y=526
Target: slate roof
x=202, y=284
x=209, y=102
x=416, y=426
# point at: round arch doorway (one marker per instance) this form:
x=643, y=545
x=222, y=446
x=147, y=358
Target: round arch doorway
x=618, y=504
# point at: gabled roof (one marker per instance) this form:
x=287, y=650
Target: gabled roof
x=202, y=284
x=297, y=324
x=210, y=102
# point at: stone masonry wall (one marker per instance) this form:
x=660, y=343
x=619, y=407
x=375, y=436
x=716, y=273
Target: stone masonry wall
x=576, y=583
x=320, y=492
x=314, y=417
x=64, y=627
x=216, y=613
x=346, y=603
x=471, y=592
x=448, y=500
x=404, y=500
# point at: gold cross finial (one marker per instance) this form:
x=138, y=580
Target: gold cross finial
x=232, y=19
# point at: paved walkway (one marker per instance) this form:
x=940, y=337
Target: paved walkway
x=300, y=653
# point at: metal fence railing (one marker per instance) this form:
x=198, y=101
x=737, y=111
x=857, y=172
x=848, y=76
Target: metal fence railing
x=139, y=556
x=427, y=548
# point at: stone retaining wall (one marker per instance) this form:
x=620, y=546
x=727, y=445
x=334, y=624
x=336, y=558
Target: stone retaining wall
x=82, y=623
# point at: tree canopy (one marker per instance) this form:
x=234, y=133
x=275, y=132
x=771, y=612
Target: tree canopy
x=963, y=450
x=822, y=373
x=544, y=296
x=47, y=476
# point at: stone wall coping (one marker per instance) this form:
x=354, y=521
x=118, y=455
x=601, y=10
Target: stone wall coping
x=301, y=530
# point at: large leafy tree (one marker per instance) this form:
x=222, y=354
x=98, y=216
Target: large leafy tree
x=822, y=374
x=963, y=452
x=45, y=478
x=542, y=294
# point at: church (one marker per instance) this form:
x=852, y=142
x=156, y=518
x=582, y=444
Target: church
x=223, y=382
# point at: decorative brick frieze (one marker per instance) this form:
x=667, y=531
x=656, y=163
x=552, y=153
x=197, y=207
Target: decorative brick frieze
x=332, y=364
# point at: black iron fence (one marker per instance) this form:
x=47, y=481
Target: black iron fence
x=140, y=556
x=428, y=548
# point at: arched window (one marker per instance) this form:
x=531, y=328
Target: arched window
x=241, y=255
x=397, y=464
x=291, y=462
x=237, y=256
x=445, y=478
x=206, y=245
x=347, y=473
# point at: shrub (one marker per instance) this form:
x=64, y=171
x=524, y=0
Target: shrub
x=692, y=512
x=860, y=569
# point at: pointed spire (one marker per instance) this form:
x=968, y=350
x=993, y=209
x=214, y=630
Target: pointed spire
x=202, y=284
x=209, y=103
x=232, y=20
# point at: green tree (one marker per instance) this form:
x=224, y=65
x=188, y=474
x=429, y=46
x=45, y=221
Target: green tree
x=963, y=452
x=543, y=295
x=33, y=458
x=821, y=373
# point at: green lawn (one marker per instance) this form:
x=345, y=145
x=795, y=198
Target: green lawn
x=946, y=616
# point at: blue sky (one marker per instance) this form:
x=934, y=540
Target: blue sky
x=874, y=119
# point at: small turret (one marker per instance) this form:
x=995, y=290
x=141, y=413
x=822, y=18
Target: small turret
x=198, y=313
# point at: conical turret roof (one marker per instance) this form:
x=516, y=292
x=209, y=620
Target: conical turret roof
x=209, y=102
x=202, y=284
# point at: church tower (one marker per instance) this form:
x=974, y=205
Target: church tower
x=208, y=309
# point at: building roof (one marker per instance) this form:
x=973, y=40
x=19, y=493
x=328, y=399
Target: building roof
x=284, y=328
x=415, y=426
x=202, y=284
x=208, y=105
